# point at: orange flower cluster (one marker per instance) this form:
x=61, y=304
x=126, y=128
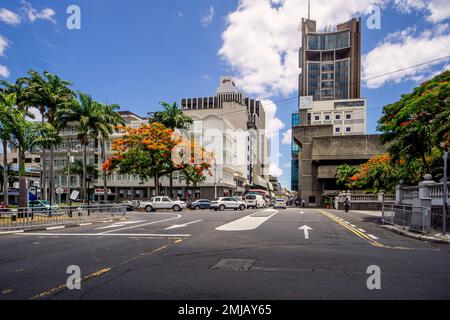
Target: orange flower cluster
x=164, y=142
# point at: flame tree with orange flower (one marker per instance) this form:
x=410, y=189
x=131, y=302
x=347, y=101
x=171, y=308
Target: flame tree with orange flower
x=153, y=151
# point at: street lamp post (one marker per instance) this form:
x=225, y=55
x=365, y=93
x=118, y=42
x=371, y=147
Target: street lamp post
x=445, y=194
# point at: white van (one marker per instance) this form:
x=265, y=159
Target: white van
x=255, y=201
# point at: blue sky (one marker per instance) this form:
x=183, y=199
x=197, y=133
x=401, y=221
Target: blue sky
x=136, y=53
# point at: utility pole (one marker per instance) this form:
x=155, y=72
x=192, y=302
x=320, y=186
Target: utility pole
x=309, y=9
x=215, y=180
x=445, y=194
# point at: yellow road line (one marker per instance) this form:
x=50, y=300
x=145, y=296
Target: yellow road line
x=356, y=231
x=101, y=272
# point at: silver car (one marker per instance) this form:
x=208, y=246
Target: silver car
x=162, y=203
x=225, y=203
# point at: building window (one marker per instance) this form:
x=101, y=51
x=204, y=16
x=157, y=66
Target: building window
x=348, y=116
x=338, y=130
x=348, y=129
x=327, y=118
x=338, y=117
x=317, y=118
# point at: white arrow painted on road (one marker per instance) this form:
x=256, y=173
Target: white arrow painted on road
x=302, y=213
x=177, y=226
x=306, y=229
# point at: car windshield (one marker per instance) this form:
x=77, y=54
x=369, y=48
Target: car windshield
x=251, y=197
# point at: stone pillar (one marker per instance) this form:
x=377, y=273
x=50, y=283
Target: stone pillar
x=425, y=198
x=399, y=193
x=381, y=196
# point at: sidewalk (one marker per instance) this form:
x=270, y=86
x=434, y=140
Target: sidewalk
x=433, y=236
x=369, y=213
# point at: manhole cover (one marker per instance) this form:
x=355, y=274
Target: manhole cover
x=234, y=264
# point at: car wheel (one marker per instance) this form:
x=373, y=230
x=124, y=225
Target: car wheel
x=149, y=208
x=176, y=208
x=242, y=207
x=222, y=208
x=196, y=208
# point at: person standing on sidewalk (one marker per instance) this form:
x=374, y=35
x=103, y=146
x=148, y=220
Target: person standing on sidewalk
x=347, y=205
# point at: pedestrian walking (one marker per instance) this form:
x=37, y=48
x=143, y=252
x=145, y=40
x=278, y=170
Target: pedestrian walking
x=303, y=203
x=347, y=205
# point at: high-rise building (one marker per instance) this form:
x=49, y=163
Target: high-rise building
x=331, y=61
x=332, y=114
x=233, y=127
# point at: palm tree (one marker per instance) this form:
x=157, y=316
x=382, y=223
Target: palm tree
x=6, y=102
x=49, y=93
x=173, y=118
x=87, y=113
x=25, y=136
x=109, y=118
x=18, y=89
x=77, y=168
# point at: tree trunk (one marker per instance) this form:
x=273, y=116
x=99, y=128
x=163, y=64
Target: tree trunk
x=23, y=194
x=52, y=175
x=5, y=173
x=44, y=168
x=171, y=185
x=85, y=195
x=105, y=182
x=157, y=191
x=425, y=163
x=44, y=175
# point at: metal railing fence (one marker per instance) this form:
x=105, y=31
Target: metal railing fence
x=410, y=218
x=29, y=218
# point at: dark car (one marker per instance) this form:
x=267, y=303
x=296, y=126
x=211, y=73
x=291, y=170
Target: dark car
x=201, y=204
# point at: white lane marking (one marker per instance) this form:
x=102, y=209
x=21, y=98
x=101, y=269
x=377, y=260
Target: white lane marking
x=144, y=235
x=346, y=222
x=12, y=232
x=178, y=216
x=177, y=226
x=55, y=228
x=373, y=237
x=85, y=224
x=306, y=230
x=354, y=226
x=247, y=223
x=302, y=213
x=362, y=230
x=120, y=224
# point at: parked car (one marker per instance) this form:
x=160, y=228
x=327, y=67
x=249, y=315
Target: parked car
x=43, y=206
x=201, y=204
x=2, y=205
x=222, y=204
x=255, y=201
x=280, y=203
x=162, y=203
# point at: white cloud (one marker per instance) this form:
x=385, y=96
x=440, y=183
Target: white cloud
x=262, y=40
x=208, y=18
x=4, y=72
x=9, y=17
x=275, y=170
x=287, y=137
x=180, y=14
x=273, y=124
x=4, y=43
x=406, y=48
x=37, y=115
x=436, y=10
x=33, y=14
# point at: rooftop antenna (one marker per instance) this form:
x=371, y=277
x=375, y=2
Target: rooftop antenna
x=309, y=9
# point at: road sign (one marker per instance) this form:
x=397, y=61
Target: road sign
x=74, y=195
x=59, y=190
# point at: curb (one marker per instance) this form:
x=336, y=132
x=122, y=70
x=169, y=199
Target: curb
x=59, y=227
x=415, y=235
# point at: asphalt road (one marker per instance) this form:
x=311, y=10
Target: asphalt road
x=225, y=255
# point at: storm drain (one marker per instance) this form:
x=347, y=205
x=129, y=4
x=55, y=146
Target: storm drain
x=234, y=264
